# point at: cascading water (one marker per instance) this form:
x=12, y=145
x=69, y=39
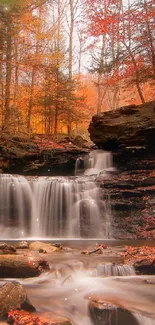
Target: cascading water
x=52, y=293
x=65, y=207
x=15, y=205
x=113, y=269
x=98, y=161
x=71, y=207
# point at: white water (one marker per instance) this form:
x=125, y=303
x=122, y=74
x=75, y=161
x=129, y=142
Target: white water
x=113, y=269
x=53, y=207
x=97, y=162
x=70, y=208
x=70, y=296
x=15, y=205
x=66, y=207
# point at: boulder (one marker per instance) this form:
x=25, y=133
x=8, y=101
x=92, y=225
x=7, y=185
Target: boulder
x=24, y=318
x=145, y=266
x=13, y=296
x=22, y=245
x=80, y=142
x=20, y=266
x=43, y=247
x=7, y=249
x=107, y=314
x=130, y=126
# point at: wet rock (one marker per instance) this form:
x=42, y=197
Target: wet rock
x=43, y=247
x=80, y=142
x=13, y=296
x=22, y=245
x=19, y=266
x=24, y=318
x=132, y=197
x=129, y=133
x=7, y=249
x=145, y=266
x=107, y=314
x=58, y=245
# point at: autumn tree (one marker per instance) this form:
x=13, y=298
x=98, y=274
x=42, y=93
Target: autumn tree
x=129, y=33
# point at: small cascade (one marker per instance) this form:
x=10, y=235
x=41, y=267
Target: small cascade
x=53, y=207
x=113, y=269
x=98, y=162
x=143, y=320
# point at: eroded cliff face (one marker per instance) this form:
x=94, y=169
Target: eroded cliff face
x=129, y=133
x=132, y=125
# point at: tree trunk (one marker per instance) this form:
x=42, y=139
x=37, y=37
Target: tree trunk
x=31, y=99
x=100, y=74
x=71, y=31
x=7, y=112
x=57, y=70
x=16, y=115
x=1, y=75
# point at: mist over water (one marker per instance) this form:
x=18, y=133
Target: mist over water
x=69, y=294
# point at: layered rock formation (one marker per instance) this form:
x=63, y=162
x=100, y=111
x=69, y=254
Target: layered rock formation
x=40, y=155
x=129, y=133
x=133, y=125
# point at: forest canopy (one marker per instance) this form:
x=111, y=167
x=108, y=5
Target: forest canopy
x=61, y=61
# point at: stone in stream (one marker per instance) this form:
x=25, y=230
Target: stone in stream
x=107, y=314
x=20, y=266
x=43, y=247
x=7, y=249
x=13, y=296
x=145, y=266
x=22, y=245
x=24, y=318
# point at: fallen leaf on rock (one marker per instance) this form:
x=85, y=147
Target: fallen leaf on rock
x=131, y=253
x=20, y=317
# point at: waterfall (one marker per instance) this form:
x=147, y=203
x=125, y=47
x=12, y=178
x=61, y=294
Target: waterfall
x=53, y=207
x=97, y=162
x=67, y=207
x=15, y=205
x=113, y=269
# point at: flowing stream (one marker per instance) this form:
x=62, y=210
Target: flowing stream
x=68, y=293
